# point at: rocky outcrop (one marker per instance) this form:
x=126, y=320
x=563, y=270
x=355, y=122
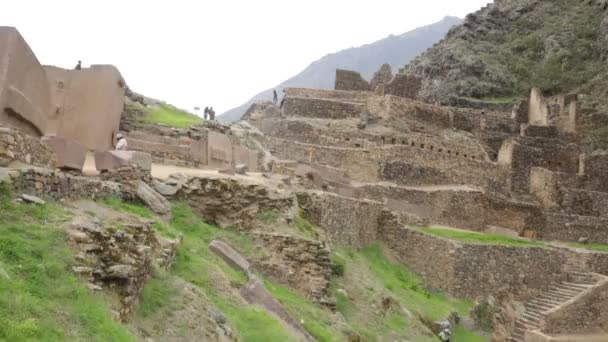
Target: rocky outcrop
x=300, y=264
x=118, y=258
x=153, y=199
x=227, y=201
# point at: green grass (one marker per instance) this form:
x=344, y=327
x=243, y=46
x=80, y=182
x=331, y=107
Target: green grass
x=218, y=281
x=157, y=294
x=369, y=276
x=132, y=208
x=171, y=116
x=196, y=264
x=408, y=287
x=592, y=246
x=316, y=319
x=43, y=300
x=475, y=237
x=463, y=335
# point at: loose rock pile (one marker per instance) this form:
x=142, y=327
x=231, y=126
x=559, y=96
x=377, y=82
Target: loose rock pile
x=119, y=258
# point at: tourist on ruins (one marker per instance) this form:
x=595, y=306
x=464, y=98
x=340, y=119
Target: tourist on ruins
x=275, y=97
x=211, y=114
x=206, y=112
x=121, y=142
x=445, y=335
x=78, y=66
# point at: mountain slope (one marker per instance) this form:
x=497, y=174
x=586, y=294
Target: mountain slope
x=512, y=45
x=395, y=50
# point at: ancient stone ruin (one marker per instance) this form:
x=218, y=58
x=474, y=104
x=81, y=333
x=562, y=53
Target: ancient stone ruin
x=367, y=163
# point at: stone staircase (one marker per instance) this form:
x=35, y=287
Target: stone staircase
x=536, y=309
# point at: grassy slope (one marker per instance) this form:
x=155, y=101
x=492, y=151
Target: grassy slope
x=368, y=267
x=197, y=265
x=170, y=116
x=475, y=237
x=369, y=276
x=43, y=300
x=555, y=46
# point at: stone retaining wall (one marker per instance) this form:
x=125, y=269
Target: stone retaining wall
x=347, y=221
x=467, y=270
x=58, y=185
x=318, y=108
x=403, y=164
x=301, y=264
x=15, y=146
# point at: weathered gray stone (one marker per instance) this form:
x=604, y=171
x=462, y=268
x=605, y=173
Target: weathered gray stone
x=70, y=154
x=153, y=199
x=229, y=255
x=171, y=185
x=254, y=292
x=111, y=160
x=119, y=271
x=241, y=169
x=32, y=199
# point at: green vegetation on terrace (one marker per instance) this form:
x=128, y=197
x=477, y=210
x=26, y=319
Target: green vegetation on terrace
x=196, y=264
x=369, y=277
x=475, y=237
x=42, y=300
x=592, y=246
x=170, y=116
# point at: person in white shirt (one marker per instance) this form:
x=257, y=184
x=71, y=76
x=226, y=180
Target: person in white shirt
x=121, y=142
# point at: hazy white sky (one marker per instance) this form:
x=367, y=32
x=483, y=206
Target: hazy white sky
x=214, y=52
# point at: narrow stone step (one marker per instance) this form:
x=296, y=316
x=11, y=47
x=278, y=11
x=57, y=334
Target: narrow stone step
x=574, y=286
x=533, y=315
x=538, y=306
x=564, y=290
x=562, y=293
x=553, y=303
x=577, y=284
x=535, y=311
x=531, y=320
x=555, y=299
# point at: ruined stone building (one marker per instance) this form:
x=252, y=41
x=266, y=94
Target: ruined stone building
x=379, y=160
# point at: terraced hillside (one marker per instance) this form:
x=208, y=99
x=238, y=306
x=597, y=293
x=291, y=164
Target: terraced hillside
x=503, y=50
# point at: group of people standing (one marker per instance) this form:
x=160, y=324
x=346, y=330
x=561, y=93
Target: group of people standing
x=209, y=112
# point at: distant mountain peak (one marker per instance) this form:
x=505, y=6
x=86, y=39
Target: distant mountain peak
x=396, y=50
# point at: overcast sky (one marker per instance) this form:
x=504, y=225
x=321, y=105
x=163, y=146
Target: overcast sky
x=218, y=52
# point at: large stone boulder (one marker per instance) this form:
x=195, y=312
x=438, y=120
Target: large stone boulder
x=229, y=255
x=255, y=293
x=153, y=199
x=112, y=160
x=171, y=185
x=69, y=154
